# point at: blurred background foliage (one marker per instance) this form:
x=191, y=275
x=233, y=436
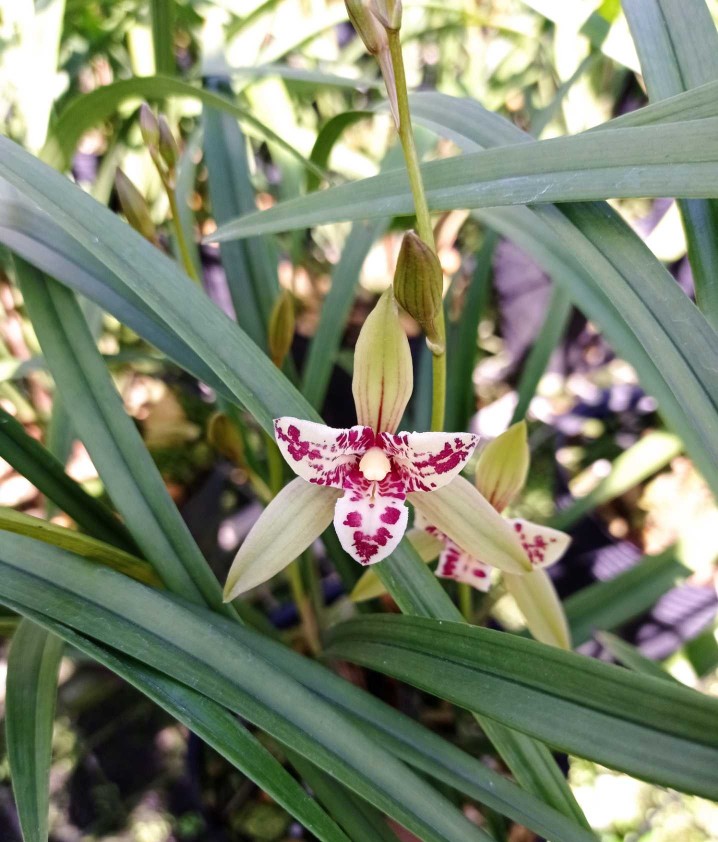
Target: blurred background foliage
x=602, y=464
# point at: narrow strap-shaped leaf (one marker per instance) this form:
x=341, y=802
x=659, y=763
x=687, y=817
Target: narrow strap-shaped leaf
x=534, y=367
x=417, y=592
x=609, y=604
x=360, y=820
x=649, y=728
x=76, y=542
x=673, y=159
x=251, y=266
x=462, y=340
x=32, y=673
x=190, y=644
x=87, y=110
x=213, y=723
x=135, y=269
x=163, y=16
x=111, y=438
x=225, y=155
x=678, y=50
x=632, y=657
x=38, y=465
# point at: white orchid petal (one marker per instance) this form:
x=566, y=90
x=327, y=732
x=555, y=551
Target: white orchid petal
x=428, y=460
x=289, y=524
x=370, y=525
x=538, y=601
x=321, y=454
x=370, y=586
x=462, y=514
x=455, y=564
x=544, y=546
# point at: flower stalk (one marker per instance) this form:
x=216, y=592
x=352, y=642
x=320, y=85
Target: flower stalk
x=423, y=221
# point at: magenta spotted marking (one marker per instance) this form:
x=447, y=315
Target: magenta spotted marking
x=353, y=519
x=535, y=549
x=391, y=515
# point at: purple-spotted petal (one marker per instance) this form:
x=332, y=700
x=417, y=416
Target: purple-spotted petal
x=370, y=519
x=428, y=461
x=321, y=454
x=544, y=546
x=455, y=564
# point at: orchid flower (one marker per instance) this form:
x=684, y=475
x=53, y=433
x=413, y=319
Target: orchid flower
x=361, y=477
x=500, y=475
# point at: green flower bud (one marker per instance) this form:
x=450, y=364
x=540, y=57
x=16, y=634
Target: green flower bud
x=167, y=144
x=418, y=286
x=149, y=126
x=224, y=437
x=367, y=26
x=383, y=372
x=134, y=207
x=281, y=328
x=388, y=13
x=503, y=466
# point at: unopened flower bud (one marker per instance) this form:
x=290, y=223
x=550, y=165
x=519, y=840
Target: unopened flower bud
x=167, y=144
x=503, y=465
x=383, y=372
x=418, y=286
x=367, y=26
x=388, y=12
x=281, y=328
x=374, y=36
x=224, y=437
x=149, y=127
x=134, y=207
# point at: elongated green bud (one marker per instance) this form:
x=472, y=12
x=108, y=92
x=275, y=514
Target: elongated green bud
x=388, y=12
x=149, y=127
x=503, y=466
x=418, y=286
x=134, y=207
x=167, y=144
x=281, y=328
x=374, y=36
x=224, y=437
x=367, y=26
x=383, y=372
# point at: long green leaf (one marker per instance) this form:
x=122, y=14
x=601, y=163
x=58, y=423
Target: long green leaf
x=135, y=270
x=190, y=644
x=613, y=278
x=607, y=605
x=112, y=439
x=37, y=464
x=251, y=266
x=678, y=50
x=163, y=18
x=633, y=658
x=646, y=727
x=76, y=542
x=551, y=333
x=89, y=109
x=415, y=590
x=672, y=159
x=32, y=673
x=210, y=721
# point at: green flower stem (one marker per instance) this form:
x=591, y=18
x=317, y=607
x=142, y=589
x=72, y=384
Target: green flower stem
x=179, y=234
x=423, y=218
x=465, y=601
